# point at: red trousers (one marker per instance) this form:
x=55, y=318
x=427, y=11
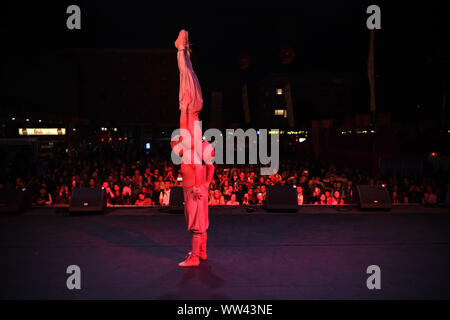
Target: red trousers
x=196, y=211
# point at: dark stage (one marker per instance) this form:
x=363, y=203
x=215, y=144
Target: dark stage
x=318, y=253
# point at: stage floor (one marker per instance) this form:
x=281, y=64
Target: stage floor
x=134, y=255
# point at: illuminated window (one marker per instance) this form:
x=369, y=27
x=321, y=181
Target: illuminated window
x=279, y=91
x=280, y=112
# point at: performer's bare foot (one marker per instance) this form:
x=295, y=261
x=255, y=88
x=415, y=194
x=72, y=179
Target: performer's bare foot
x=191, y=261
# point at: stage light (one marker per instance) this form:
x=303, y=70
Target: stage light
x=120, y=139
x=433, y=154
x=147, y=146
x=279, y=91
x=27, y=120
x=301, y=140
x=102, y=140
x=13, y=119
x=40, y=120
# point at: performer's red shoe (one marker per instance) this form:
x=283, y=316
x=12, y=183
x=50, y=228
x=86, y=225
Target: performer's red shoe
x=191, y=261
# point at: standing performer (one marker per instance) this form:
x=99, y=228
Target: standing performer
x=196, y=175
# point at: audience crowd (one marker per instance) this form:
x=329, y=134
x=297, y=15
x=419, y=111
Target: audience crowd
x=135, y=179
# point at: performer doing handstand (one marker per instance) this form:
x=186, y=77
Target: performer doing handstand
x=197, y=174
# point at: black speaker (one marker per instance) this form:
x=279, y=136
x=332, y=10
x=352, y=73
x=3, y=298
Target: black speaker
x=87, y=200
x=13, y=200
x=373, y=197
x=281, y=198
x=176, y=201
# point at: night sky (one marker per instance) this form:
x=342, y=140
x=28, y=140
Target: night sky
x=411, y=55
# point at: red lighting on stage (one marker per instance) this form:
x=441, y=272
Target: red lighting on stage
x=125, y=138
x=120, y=139
x=102, y=140
x=433, y=154
x=110, y=139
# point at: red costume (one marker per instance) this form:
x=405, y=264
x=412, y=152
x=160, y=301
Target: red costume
x=196, y=176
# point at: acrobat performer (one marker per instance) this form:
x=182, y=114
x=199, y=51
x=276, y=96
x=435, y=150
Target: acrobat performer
x=196, y=166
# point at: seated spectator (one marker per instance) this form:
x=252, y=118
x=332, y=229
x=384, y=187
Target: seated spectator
x=395, y=196
x=179, y=180
x=156, y=192
x=109, y=194
x=126, y=195
x=232, y=201
x=245, y=201
x=260, y=198
x=217, y=199
x=330, y=199
x=62, y=194
x=300, y=197
x=147, y=192
x=404, y=197
x=315, y=199
x=264, y=193
x=337, y=198
x=227, y=193
x=349, y=192
x=251, y=196
x=43, y=198
x=415, y=194
x=323, y=199
x=117, y=200
x=142, y=200
x=92, y=183
x=429, y=197
x=164, y=197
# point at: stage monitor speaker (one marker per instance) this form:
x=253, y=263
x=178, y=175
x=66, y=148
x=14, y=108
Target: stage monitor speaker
x=176, y=201
x=373, y=197
x=13, y=200
x=281, y=198
x=87, y=200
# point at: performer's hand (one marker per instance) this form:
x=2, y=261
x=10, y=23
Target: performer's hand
x=197, y=193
